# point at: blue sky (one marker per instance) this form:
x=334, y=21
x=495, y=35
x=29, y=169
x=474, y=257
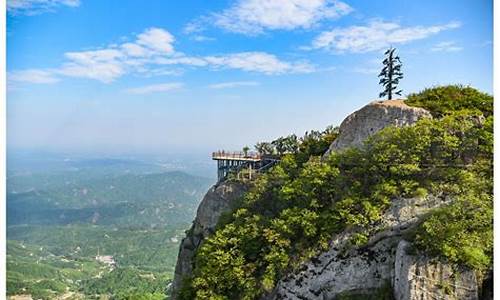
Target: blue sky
x=170, y=76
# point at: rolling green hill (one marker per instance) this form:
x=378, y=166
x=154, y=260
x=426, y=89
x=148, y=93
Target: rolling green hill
x=60, y=220
x=131, y=200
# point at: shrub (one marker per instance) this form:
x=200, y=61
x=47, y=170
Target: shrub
x=443, y=100
x=462, y=232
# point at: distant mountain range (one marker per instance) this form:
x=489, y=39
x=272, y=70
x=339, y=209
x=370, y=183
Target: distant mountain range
x=60, y=215
x=154, y=199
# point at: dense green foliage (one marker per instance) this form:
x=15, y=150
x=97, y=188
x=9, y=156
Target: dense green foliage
x=292, y=211
x=59, y=220
x=385, y=292
x=127, y=284
x=36, y=271
x=312, y=143
x=64, y=258
x=142, y=248
x=443, y=100
x=462, y=232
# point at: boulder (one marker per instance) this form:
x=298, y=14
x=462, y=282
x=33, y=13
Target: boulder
x=370, y=119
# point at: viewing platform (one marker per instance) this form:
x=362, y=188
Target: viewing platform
x=241, y=163
x=236, y=155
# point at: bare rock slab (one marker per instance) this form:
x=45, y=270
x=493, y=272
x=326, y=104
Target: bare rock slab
x=418, y=277
x=370, y=119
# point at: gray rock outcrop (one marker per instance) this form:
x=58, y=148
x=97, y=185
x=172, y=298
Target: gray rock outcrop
x=377, y=115
x=218, y=200
x=419, y=277
x=348, y=270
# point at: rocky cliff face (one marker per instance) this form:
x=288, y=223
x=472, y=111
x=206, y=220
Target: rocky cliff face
x=420, y=277
x=382, y=268
x=373, y=117
x=219, y=199
x=383, y=265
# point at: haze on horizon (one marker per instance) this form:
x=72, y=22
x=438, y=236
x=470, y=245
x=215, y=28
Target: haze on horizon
x=167, y=76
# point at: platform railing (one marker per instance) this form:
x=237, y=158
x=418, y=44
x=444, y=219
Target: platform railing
x=236, y=155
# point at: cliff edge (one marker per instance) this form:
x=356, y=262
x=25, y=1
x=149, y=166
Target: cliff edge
x=218, y=200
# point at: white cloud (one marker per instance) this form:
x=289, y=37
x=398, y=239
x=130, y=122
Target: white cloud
x=134, y=50
x=196, y=26
x=446, y=47
x=105, y=72
x=258, y=62
x=158, y=71
x=110, y=63
x=94, y=56
x=233, y=84
x=150, y=53
x=182, y=59
x=155, y=88
x=33, y=7
x=104, y=65
x=255, y=16
x=32, y=76
x=202, y=38
x=157, y=39
x=374, y=36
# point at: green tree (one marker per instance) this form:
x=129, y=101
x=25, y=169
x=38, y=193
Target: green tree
x=444, y=100
x=289, y=144
x=265, y=148
x=245, y=150
x=390, y=74
x=279, y=145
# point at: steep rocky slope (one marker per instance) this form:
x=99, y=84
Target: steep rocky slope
x=385, y=260
x=219, y=199
x=385, y=266
x=345, y=271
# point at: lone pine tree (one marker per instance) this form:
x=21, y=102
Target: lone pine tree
x=390, y=74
